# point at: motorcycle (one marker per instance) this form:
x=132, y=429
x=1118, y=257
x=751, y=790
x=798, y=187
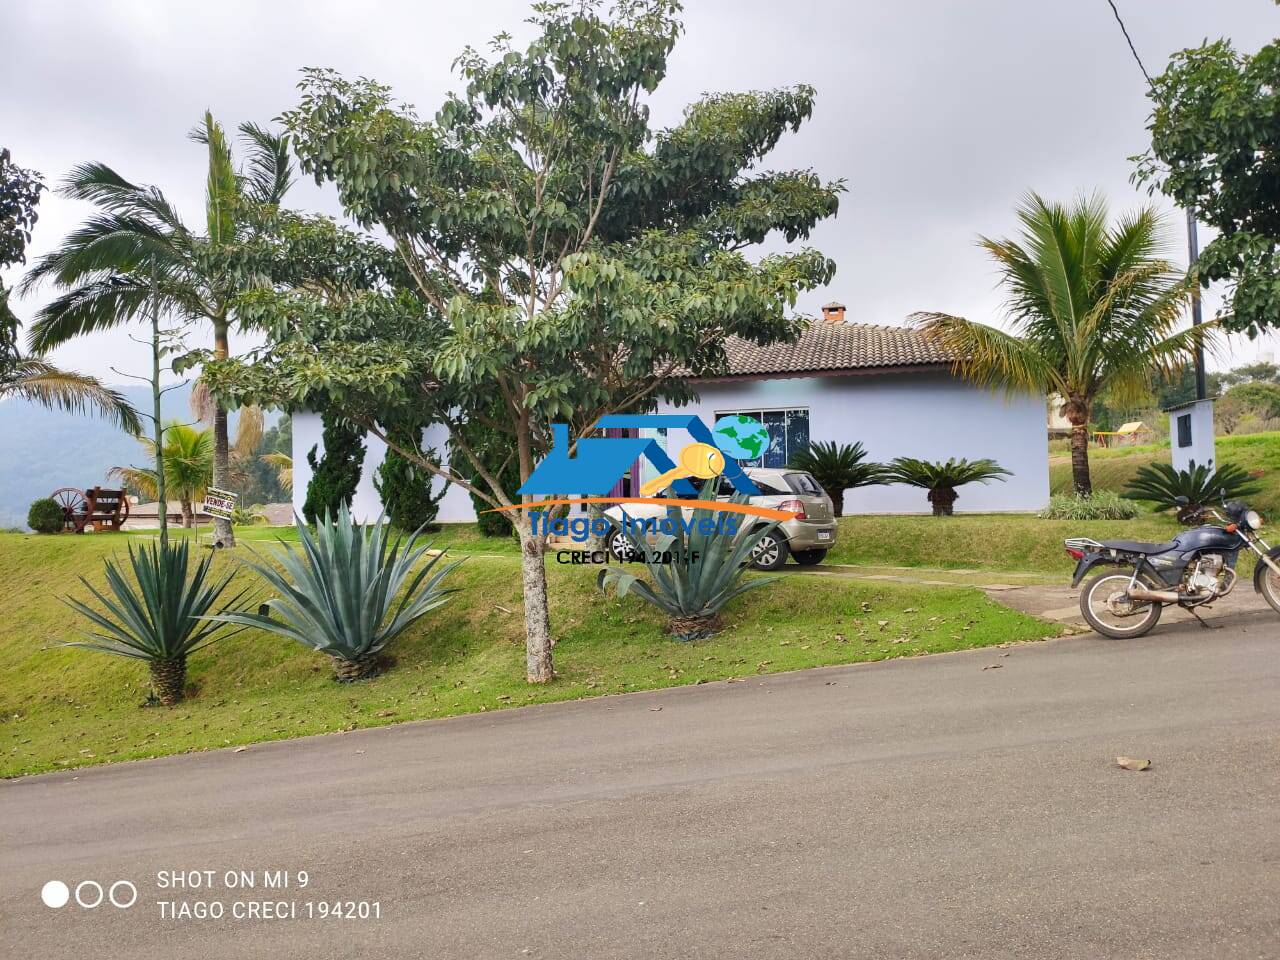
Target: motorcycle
x=1194, y=569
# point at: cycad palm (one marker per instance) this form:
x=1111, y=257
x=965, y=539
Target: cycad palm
x=107, y=266
x=188, y=468
x=838, y=468
x=1092, y=306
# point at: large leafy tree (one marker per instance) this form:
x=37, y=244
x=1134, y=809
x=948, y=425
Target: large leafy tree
x=564, y=259
x=1215, y=149
x=137, y=254
x=1092, y=306
x=32, y=377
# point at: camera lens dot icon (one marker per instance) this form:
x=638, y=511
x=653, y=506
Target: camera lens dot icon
x=55, y=894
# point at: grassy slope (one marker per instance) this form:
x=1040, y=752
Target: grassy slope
x=65, y=707
x=981, y=541
x=1112, y=469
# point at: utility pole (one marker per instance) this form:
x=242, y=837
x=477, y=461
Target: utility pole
x=1193, y=254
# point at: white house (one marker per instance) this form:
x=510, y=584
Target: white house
x=889, y=387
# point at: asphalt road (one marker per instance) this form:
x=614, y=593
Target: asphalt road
x=920, y=808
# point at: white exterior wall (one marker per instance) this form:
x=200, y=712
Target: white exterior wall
x=1203, y=449
x=932, y=416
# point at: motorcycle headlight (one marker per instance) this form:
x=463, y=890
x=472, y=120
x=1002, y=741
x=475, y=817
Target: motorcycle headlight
x=1254, y=519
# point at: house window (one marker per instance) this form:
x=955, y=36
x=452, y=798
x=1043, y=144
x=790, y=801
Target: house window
x=788, y=434
x=1184, y=430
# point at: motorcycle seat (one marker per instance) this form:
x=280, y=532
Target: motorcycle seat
x=1137, y=546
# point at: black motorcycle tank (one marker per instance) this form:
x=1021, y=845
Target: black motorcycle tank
x=1205, y=538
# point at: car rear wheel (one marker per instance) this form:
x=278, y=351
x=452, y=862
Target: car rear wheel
x=809, y=558
x=770, y=553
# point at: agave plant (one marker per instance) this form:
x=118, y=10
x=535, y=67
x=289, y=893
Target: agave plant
x=160, y=616
x=838, y=468
x=347, y=590
x=1166, y=487
x=941, y=479
x=704, y=573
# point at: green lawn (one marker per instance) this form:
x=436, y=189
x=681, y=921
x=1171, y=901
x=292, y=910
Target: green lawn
x=989, y=541
x=1112, y=469
x=65, y=707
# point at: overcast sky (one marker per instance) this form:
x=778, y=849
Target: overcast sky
x=939, y=114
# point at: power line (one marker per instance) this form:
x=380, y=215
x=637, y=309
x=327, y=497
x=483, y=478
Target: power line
x=1132, y=48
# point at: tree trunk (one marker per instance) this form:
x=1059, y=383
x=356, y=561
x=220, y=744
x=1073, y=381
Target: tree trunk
x=188, y=514
x=944, y=501
x=168, y=678
x=1080, y=458
x=837, y=501
x=537, y=619
x=222, y=533
x=361, y=668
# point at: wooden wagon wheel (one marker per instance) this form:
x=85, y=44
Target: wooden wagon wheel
x=124, y=507
x=75, y=507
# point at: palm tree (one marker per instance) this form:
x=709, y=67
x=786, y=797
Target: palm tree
x=282, y=464
x=1091, y=307
x=105, y=267
x=838, y=468
x=31, y=378
x=188, y=468
x=941, y=479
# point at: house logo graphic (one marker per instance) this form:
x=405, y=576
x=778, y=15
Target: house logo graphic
x=597, y=463
x=592, y=472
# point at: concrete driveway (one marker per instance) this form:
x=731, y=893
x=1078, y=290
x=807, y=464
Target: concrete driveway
x=965, y=805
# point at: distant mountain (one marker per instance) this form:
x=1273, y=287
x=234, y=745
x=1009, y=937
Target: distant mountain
x=42, y=450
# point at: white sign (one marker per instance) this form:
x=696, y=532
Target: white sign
x=220, y=503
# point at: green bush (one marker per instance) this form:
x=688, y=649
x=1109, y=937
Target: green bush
x=704, y=574
x=335, y=474
x=347, y=590
x=1162, y=485
x=1103, y=505
x=45, y=516
x=405, y=489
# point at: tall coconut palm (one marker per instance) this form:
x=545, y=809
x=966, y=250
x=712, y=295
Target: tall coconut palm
x=188, y=468
x=105, y=267
x=1091, y=306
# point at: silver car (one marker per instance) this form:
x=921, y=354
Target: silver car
x=807, y=538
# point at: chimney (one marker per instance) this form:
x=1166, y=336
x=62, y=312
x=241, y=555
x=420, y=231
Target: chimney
x=833, y=312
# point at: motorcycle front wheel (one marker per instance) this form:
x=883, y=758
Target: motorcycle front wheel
x=1269, y=585
x=1106, y=607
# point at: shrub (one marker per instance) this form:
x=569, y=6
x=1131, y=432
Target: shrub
x=158, y=614
x=703, y=574
x=336, y=474
x=45, y=516
x=405, y=489
x=1103, y=505
x=941, y=479
x=839, y=468
x=1163, y=486
x=347, y=590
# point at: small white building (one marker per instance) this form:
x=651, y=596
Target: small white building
x=888, y=387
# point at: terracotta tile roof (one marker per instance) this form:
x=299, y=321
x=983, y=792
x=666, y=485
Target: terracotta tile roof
x=832, y=347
